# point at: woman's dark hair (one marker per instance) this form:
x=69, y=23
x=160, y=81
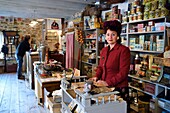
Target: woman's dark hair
x=27, y=37
x=113, y=25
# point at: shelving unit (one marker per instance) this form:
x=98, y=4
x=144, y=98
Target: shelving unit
x=93, y=43
x=52, y=36
x=158, y=87
x=141, y=42
x=11, y=39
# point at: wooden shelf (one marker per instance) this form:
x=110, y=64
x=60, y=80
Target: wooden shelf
x=146, y=51
x=151, y=32
x=141, y=21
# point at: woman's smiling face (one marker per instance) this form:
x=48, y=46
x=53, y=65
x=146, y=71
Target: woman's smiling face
x=111, y=37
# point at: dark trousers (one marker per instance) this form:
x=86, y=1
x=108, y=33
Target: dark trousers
x=124, y=93
x=19, y=60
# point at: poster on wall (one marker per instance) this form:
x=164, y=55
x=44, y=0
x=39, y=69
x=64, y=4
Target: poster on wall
x=54, y=24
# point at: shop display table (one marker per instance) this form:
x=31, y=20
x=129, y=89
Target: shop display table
x=50, y=83
x=75, y=100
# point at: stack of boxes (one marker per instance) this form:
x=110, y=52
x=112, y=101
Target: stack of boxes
x=116, y=13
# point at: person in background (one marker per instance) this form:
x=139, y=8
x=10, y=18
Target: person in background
x=56, y=50
x=19, y=54
x=114, y=62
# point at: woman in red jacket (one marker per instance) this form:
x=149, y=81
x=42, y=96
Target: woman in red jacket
x=114, y=62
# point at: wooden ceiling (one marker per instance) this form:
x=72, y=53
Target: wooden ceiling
x=42, y=8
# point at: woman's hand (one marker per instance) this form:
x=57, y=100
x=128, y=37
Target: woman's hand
x=101, y=83
x=93, y=79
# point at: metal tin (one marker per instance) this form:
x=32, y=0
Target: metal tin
x=148, y=28
x=138, y=9
x=164, y=12
x=152, y=28
x=140, y=16
x=130, y=18
x=154, y=5
x=133, y=11
x=148, y=6
x=136, y=3
x=135, y=17
x=157, y=13
x=125, y=18
x=146, y=15
x=151, y=14
x=161, y=3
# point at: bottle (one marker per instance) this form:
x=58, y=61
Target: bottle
x=137, y=62
x=47, y=57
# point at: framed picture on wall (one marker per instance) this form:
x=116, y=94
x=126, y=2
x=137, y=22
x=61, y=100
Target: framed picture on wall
x=54, y=23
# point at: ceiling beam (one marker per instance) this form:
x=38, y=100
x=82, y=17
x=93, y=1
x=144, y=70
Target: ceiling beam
x=40, y=8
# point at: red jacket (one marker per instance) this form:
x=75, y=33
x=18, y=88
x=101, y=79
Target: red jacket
x=114, y=65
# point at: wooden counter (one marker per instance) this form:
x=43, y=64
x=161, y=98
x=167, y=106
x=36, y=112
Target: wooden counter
x=30, y=59
x=50, y=83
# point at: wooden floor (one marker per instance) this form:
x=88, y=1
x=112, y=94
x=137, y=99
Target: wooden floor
x=16, y=96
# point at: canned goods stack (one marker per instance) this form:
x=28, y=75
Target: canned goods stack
x=116, y=13
x=155, y=9
x=135, y=10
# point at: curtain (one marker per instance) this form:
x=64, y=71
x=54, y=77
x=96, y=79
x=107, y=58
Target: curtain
x=1, y=43
x=70, y=50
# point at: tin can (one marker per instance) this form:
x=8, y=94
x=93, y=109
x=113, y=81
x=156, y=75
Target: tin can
x=157, y=13
x=130, y=18
x=152, y=28
x=148, y=28
x=151, y=14
x=148, y=6
x=144, y=2
x=138, y=9
x=162, y=3
x=146, y=15
x=125, y=18
x=133, y=11
x=154, y=5
x=140, y=16
x=128, y=13
x=164, y=12
x=136, y=3
x=135, y=17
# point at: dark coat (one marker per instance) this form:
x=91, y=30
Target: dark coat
x=22, y=48
x=114, y=65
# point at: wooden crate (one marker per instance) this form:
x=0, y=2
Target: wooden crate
x=53, y=106
x=1, y=69
x=11, y=68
